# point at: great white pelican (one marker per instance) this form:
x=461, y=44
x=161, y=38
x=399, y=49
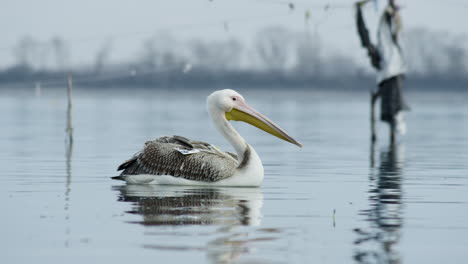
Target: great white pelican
x=176, y=160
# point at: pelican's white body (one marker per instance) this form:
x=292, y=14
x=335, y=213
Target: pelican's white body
x=249, y=176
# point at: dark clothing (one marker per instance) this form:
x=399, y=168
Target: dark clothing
x=365, y=40
x=389, y=89
x=392, y=100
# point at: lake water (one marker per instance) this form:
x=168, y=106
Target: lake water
x=337, y=200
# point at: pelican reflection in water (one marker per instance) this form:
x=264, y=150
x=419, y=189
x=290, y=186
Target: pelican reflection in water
x=171, y=205
x=385, y=211
x=177, y=160
x=229, y=209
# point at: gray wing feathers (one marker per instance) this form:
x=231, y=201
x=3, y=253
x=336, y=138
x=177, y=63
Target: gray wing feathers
x=161, y=157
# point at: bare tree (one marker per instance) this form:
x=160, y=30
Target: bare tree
x=273, y=46
x=149, y=54
x=102, y=56
x=435, y=53
x=457, y=56
x=308, y=58
x=161, y=53
x=61, y=52
x=221, y=55
x=25, y=52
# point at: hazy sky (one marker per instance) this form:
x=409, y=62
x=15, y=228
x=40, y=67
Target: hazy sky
x=88, y=24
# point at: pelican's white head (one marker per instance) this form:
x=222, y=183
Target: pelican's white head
x=223, y=100
x=232, y=106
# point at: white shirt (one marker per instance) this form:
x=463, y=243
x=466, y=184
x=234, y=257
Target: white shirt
x=392, y=62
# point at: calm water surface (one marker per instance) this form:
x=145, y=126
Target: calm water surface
x=337, y=200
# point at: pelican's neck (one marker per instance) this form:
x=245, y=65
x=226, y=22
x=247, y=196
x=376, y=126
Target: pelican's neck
x=230, y=134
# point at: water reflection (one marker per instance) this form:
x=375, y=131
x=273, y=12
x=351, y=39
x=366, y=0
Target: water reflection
x=377, y=244
x=68, y=170
x=229, y=210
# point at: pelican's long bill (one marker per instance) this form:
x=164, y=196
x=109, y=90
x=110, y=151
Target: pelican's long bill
x=243, y=112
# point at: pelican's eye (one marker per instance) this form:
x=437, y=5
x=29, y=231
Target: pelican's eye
x=234, y=98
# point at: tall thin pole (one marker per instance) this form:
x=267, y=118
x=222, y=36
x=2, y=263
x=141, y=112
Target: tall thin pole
x=68, y=155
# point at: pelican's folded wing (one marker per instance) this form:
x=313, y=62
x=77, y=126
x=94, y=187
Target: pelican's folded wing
x=180, y=157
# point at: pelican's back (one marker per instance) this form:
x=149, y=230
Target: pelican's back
x=180, y=157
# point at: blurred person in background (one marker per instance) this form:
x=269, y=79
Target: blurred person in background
x=387, y=58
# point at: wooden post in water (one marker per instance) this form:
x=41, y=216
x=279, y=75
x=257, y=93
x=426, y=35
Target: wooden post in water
x=68, y=156
x=69, y=128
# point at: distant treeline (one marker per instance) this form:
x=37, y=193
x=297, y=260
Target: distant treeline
x=278, y=57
